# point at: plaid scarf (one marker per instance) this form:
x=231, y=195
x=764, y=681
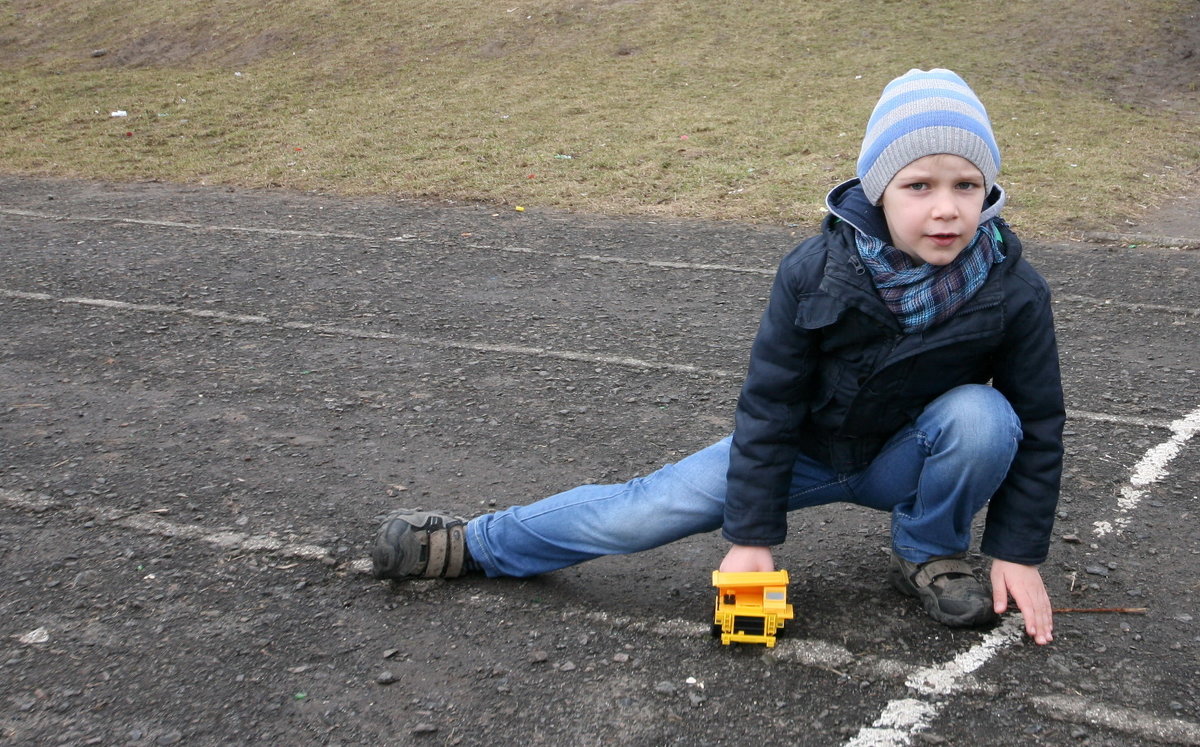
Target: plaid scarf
x=923, y=295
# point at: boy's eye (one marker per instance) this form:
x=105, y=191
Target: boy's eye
x=918, y=186
x=968, y=185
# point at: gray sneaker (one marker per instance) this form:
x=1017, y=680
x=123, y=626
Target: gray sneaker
x=947, y=588
x=429, y=544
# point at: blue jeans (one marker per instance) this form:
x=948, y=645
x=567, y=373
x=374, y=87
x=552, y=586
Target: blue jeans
x=933, y=476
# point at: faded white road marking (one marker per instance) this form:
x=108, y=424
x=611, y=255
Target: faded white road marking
x=663, y=264
x=149, y=523
x=522, y=350
x=944, y=678
x=328, y=329
x=1102, y=417
x=896, y=725
x=807, y=652
x=195, y=226
x=1151, y=469
x=904, y=717
x=1127, y=305
x=224, y=540
x=1119, y=718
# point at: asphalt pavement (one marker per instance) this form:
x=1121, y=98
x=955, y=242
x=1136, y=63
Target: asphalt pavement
x=208, y=396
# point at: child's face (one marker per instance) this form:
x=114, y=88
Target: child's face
x=932, y=207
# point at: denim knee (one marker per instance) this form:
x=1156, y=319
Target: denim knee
x=974, y=420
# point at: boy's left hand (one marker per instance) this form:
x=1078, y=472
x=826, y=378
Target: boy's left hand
x=1024, y=584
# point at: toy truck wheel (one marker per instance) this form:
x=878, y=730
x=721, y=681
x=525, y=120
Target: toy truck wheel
x=716, y=630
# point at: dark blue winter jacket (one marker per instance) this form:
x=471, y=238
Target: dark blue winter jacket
x=832, y=375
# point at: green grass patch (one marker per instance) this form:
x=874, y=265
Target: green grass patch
x=706, y=109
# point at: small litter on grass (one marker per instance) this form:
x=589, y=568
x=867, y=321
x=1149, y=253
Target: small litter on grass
x=564, y=157
x=519, y=209
x=120, y=113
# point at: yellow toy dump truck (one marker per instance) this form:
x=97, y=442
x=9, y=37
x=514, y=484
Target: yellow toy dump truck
x=751, y=607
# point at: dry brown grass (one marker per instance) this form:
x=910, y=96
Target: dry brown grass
x=708, y=109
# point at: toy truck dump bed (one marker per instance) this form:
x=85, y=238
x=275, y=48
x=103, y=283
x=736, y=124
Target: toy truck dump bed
x=751, y=607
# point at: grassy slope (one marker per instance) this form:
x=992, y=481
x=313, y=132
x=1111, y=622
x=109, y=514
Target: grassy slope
x=665, y=107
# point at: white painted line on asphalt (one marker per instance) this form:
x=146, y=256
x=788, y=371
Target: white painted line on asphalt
x=943, y=679
x=1150, y=469
x=896, y=725
x=188, y=226
x=332, y=330
x=1127, y=305
x=26, y=295
x=567, y=355
x=904, y=717
x=1119, y=718
x=807, y=652
x=812, y=652
x=663, y=264
x=630, y=261
x=1140, y=239
x=223, y=539
x=901, y=719
x=1101, y=417
x=35, y=502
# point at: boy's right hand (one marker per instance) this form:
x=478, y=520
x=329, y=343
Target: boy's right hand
x=747, y=558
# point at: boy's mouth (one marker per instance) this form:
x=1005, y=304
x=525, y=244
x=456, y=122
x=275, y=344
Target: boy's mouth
x=943, y=239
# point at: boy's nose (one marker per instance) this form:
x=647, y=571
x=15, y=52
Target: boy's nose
x=945, y=206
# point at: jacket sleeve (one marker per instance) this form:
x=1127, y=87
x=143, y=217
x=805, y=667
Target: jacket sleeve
x=1020, y=515
x=772, y=407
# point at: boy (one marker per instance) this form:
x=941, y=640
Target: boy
x=867, y=383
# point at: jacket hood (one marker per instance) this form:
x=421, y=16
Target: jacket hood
x=849, y=202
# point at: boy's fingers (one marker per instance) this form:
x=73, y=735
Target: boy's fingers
x=999, y=597
x=1046, y=624
x=1027, y=612
x=1038, y=617
x=1024, y=584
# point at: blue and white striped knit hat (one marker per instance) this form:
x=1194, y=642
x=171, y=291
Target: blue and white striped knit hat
x=923, y=113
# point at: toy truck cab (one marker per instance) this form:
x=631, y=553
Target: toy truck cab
x=751, y=607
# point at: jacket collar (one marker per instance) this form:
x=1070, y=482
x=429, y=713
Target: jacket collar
x=846, y=277
x=848, y=205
